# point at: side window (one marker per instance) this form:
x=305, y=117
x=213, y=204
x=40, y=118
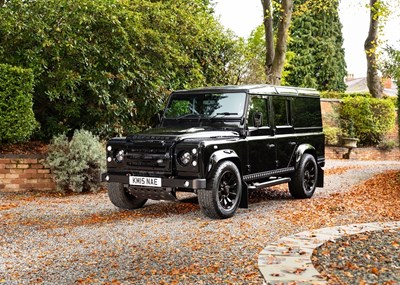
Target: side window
x=306, y=112
x=282, y=116
x=258, y=115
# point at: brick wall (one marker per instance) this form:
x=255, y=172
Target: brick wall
x=368, y=153
x=24, y=172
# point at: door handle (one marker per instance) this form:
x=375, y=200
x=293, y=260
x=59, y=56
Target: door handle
x=269, y=146
x=292, y=143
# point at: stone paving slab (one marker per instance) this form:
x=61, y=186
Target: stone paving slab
x=289, y=259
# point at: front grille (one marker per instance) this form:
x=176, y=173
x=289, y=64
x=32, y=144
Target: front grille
x=149, y=154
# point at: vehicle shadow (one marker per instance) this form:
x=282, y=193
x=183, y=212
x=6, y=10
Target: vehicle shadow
x=276, y=193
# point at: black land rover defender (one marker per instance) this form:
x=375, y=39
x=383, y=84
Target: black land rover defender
x=221, y=143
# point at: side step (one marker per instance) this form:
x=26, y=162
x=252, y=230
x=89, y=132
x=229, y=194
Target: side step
x=269, y=183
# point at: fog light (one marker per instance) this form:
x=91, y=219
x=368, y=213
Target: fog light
x=194, y=163
x=107, y=178
x=109, y=159
x=186, y=184
x=194, y=151
x=109, y=148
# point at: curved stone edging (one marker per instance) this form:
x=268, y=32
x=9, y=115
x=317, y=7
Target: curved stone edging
x=289, y=259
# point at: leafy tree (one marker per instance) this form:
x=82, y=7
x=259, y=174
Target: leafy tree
x=391, y=66
x=316, y=42
x=107, y=65
x=392, y=69
x=255, y=57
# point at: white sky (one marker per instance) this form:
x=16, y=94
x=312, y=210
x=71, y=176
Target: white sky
x=242, y=16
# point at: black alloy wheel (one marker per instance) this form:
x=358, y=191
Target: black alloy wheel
x=304, y=180
x=221, y=198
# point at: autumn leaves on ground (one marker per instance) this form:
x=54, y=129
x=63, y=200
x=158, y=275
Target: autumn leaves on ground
x=172, y=242
x=377, y=199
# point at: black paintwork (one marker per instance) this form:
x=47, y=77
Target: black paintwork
x=261, y=153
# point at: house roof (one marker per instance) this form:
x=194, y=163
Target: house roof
x=358, y=85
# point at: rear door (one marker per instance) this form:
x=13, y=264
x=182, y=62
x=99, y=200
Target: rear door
x=285, y=138
x=261, y=147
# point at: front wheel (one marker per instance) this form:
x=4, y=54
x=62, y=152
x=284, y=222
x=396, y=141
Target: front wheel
x=121, y=198
x=304, y=180
x=224, y=190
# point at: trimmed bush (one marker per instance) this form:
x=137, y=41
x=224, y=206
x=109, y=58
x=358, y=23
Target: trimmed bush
x=17, y=121
x=332, y=135
x=368, y=119
x=76, y=164
x=340, y=95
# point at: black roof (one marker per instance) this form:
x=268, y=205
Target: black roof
x=254, y=89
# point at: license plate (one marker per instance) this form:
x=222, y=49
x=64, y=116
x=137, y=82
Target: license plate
x=145, y=181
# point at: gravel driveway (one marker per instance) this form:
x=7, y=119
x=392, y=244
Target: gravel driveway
x=84, y=239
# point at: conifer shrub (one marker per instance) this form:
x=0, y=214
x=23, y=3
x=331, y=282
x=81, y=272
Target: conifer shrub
x=17, y=121
x=76, y=164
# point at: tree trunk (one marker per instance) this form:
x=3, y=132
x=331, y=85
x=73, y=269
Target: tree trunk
x=373, y=80
x=275, y=57
x=269, y=38
x=281, y=41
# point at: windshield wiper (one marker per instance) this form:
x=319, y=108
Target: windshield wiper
x=184, y=116
x=223, y=115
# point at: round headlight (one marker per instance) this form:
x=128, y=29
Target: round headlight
x=119, y=156
x=184, y=158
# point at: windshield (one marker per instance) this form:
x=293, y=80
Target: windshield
x=206, y=105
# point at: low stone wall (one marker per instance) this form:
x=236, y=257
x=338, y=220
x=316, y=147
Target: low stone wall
x=23, y=173
x=368, y=153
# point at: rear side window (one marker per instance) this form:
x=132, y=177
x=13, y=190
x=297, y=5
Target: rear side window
x=282, y=116
x=306, y=112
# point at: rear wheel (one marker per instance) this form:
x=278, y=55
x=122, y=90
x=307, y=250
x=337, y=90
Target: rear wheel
x=304, y=180
x=121, y=198
x=224, y=189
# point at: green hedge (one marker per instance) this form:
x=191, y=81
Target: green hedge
x=368, y=119
x=17, y=121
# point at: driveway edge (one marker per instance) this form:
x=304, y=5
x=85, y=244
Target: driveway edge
x=289, y=259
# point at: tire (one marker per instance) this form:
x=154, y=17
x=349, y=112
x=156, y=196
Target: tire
x=224, y=190
x=304, y=181
x=121, y=198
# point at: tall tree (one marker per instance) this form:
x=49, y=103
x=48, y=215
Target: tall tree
x=107, y=65
x=276, y=52
x=316, y=41
x=370, y=46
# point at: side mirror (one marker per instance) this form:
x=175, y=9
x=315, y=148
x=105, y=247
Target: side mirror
x=257, y=119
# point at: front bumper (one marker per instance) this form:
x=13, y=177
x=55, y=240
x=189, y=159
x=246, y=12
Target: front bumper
x=194, y=184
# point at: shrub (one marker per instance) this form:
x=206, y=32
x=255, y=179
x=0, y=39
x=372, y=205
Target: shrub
x=340, y=95
x=388, y=145
x=332, y=135
x=17, y=121
x=76, y=164
x=368, y=119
